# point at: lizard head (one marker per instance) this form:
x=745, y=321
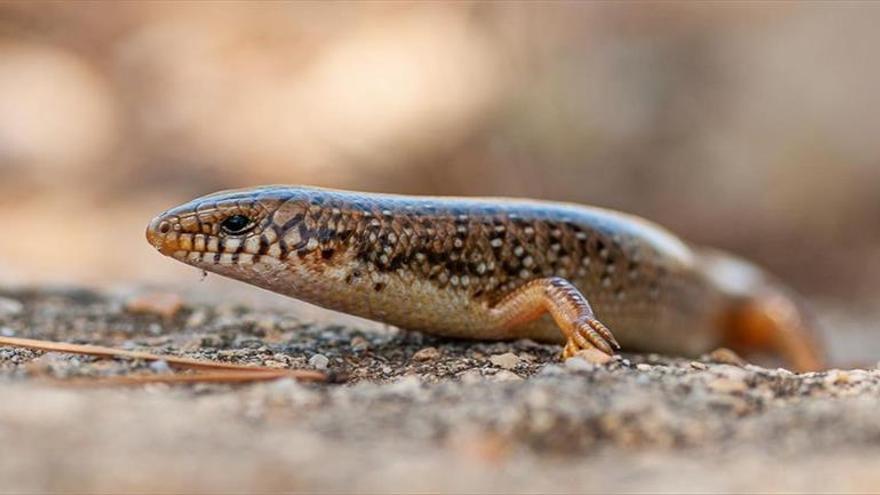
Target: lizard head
x=233, y=233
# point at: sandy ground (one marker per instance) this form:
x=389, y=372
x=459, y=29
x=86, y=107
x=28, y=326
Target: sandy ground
x=407, y=412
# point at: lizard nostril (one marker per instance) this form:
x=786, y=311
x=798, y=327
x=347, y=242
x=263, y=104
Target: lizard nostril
x=164, y=228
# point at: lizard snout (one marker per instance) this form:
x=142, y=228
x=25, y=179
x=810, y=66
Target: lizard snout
x=158, y=235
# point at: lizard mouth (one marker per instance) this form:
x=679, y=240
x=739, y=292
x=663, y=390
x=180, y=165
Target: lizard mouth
x=197, y=249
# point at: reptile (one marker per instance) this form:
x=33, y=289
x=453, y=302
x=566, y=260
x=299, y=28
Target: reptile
x=492, y=269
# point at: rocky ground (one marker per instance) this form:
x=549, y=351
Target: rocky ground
x=404, y=412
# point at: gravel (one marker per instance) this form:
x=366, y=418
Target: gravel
x=409, y=412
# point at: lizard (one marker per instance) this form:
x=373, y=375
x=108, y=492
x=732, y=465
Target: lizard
x=492, y=269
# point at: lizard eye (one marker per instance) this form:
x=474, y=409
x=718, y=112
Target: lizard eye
x=236, y=224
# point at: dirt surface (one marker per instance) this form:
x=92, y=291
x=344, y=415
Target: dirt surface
x=405, y=412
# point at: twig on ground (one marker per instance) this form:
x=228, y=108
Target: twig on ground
x=218, y=371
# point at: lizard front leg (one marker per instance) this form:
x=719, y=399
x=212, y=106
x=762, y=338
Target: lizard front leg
x=568, y=307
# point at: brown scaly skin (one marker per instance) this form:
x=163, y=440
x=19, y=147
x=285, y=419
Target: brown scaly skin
x=488, y=268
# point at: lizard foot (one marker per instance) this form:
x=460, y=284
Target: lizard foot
x=588, y=332
x=568, y=307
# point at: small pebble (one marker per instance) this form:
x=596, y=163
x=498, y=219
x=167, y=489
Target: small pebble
x=426, y=354
x=727, y=385
x=698, y=365
x=507, y=361
x=837, y=377
x=595, y=356
x=319, y=362
x=724, y=355
x=160, y=366
x=643, y=367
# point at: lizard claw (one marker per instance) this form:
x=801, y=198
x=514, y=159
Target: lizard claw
x=587, y=333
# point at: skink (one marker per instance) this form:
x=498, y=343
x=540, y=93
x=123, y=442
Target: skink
x=490, y=268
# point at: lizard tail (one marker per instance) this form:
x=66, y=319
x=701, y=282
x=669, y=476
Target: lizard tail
x=763, y=316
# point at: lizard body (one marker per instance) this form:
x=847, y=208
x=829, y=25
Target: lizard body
x=489, y=268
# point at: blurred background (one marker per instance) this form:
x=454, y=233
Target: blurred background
x=748, y=126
